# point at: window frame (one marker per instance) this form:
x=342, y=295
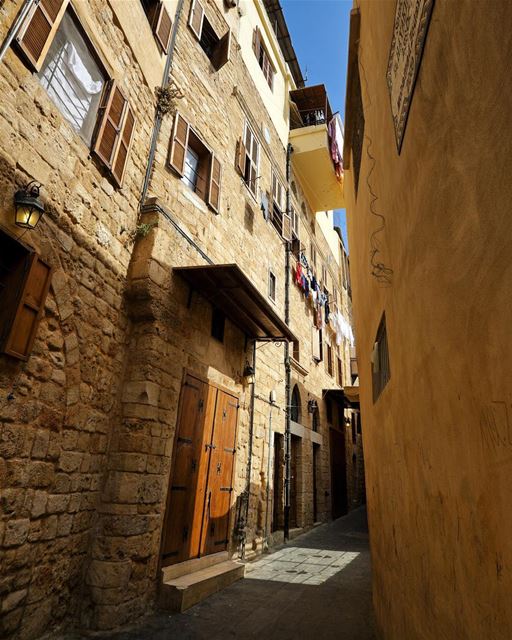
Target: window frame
x=272, y=285
x=380, y=366
x=248, y=157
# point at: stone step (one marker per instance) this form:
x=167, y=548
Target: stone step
x=180, y=593
x=196, y=564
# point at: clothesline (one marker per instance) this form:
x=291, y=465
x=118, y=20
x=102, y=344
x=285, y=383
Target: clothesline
x=305, y=279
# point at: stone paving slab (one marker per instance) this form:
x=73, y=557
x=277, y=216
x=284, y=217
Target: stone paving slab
x=316, y=587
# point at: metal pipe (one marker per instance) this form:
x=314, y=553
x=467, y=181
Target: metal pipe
x=269, y=467
x=287, y=367
x=15, y=27
x=244, y=506
x=158, y=115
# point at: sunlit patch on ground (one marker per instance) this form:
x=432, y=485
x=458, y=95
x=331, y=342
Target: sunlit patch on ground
x=300, y=565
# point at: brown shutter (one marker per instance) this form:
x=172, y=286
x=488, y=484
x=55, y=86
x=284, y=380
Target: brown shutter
x=162, y=27
x=214, y=190
x=287, y=227
x=37, y=32
x=240, y=156
x=256, y=40
x=195, y=19
x=179, y=142
x=123, y=149
x=111, y=117
x=221, y=53
x=30, y=307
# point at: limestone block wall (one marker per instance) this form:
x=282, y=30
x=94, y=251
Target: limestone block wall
x=56, y=408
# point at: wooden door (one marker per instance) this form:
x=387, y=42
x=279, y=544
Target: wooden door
x=220, y=477
x=338, y=473
x=199, y=496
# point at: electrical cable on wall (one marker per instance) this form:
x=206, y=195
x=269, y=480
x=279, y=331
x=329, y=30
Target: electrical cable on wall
x=379, y=270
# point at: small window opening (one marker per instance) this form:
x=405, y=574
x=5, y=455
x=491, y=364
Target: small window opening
x=381, y=372
x=252, y=152
x=296, y=351
x=218, y=324
x=272, y=286
x=295, y=409
x=315, y=420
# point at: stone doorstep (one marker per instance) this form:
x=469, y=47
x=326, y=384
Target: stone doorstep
x=180, y=593
x=190, y=566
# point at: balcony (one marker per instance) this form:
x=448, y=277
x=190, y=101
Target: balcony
x=312, y=158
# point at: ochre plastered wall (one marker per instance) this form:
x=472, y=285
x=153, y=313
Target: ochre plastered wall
x=437, y=441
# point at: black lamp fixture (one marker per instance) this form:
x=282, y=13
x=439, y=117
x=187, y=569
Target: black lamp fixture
x=29, y=208
x=312, y=406
x=248, y=373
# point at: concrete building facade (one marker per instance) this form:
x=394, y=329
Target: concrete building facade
x=155, y=333
x=429, y=231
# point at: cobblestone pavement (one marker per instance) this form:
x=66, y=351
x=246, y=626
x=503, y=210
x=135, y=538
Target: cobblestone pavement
x=318, y=586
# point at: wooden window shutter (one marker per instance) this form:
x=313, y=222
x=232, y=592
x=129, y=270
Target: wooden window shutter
x=256, y=41
x=38, y=31
x=110, y=120
x=214, y=189
x=195, y=19
x=240, y=156
x=123, y=149
x=287, y=227
x=162, y=27
x=179, y=143
x=221, y=54
x=23, y=331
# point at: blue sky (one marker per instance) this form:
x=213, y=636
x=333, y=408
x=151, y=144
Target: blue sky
x=319, y=31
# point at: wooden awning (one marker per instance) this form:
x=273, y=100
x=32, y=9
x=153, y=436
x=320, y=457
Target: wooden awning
x=348, y=396
x=308, y=100
x=229, y=289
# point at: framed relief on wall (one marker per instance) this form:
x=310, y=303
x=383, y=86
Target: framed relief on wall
x=412, y=18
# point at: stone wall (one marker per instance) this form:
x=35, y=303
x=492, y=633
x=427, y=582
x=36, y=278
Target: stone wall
x=88, y=422
x=56, y=408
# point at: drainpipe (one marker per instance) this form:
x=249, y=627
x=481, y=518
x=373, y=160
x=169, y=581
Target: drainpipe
x=15, y=27
x=269, y=468
x=158, y=115
x=243, y=516
x=287, y=367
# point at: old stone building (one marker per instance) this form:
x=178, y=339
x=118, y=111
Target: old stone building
x=427, y=191
x=161, y=349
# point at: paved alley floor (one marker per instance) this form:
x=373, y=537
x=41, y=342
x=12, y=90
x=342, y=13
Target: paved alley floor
x=317, y=586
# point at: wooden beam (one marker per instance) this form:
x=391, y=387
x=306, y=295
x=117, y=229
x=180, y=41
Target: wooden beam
x=352, y=70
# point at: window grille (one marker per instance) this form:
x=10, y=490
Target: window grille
x=381, y=372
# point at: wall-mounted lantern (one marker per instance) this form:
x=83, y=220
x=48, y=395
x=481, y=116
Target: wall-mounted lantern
x=312, y=406
x=29, y=208
x=248, y=374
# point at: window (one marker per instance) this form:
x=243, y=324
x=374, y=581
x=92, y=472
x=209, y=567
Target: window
x=324, y=277
x=381, y=372
x=73, y=79
x=24, y=283
x=296, y=350
x=315, y=420
x=53, y=43
x=340, y=371
x=218, y=324
x=295, y=409
x=280, y=219
x=217, y=49
x=160, y=22
x=295, y=223
x=263, y=58
x=312, y=254
x=316, y=346
x=353, y=419
x=197, y=165
x=248, y=158
x=329, y=361
x=272, y=286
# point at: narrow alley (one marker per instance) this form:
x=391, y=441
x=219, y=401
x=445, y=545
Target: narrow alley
x=284, y=594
